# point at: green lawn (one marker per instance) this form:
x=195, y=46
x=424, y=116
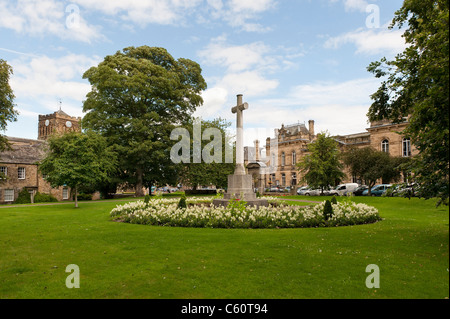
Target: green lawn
x=119, y=260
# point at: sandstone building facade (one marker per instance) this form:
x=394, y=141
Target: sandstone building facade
x=19, y=166
x=291, y=144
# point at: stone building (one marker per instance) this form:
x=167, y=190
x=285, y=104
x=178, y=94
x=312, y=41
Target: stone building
x=291, y=142
x=19, y=166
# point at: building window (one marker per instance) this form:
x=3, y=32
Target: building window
x=385, y=146
x=65, y=193
x=406, y=147
x=273, y=162
x=294, y=158
x=9, y=195
x=21, y=173
x=283, y=179
x=283, y=159
x=3, y=172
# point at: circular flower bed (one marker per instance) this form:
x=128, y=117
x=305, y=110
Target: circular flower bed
x=202, y=213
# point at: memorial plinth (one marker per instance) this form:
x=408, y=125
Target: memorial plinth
x=240, y=184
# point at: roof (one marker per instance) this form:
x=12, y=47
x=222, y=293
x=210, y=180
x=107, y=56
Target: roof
x=24, y=151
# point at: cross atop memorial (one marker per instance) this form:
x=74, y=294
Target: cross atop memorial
x=239, y=111
x=240, y=184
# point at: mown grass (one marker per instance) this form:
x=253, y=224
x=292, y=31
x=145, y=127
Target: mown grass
x=119, y=260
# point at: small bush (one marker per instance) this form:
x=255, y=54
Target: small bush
x=146, y=199
x=334, y=200
x=24, y=197
x=44, y=198
x=83, y=196
x=182, y=203
x=327, y=210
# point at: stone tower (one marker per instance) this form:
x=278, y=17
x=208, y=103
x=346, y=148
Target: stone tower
x=57, y=123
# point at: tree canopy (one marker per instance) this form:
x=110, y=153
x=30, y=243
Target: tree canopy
x=214, y=171
x=78, y=159
x=416, y=85
x=7, y=111
x=137, y=98
x=322, y=168
x=370, y=165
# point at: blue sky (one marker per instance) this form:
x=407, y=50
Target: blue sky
x=293, y=60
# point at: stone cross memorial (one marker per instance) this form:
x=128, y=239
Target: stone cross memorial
x=240, y=184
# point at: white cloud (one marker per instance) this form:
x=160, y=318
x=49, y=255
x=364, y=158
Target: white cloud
x=358, y=5
x=214, y=101
x=236, y=58
x=339, y=108
x=44, y=17
x=370, y=41
x=44, y=77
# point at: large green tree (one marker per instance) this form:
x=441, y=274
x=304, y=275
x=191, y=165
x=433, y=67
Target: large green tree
x=214, y=166
x=370, y=165
x=7, y=111
x=322, y=167
x=138, y=96
x=416, y=85
x=78, y=160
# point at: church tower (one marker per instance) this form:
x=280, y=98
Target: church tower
x=57, y=123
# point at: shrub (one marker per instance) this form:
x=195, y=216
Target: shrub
x=334, y=200
x=182, y=203
x=24, y=197
x=84, y=196
x=44, y=198
x=327, y=210
x=146, y=199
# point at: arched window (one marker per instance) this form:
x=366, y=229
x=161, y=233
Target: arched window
x=406, y=146
x=385, y=146
x=294, y=158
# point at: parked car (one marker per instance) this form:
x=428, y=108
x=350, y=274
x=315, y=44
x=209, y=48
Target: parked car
x=302, y=190
x=404, y=190
x=359, y=190
x=312, y=192
x=343, y=189
x=317, y=192
x=377, y=190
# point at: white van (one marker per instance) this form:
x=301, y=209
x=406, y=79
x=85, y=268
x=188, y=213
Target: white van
x=343, y=189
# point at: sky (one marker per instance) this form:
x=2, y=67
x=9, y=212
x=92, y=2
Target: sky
x=293, y=60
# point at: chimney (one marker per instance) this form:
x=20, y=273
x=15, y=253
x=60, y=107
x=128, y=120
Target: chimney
x=311, y=128
x=257, y=150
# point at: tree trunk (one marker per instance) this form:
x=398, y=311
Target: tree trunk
x=76, y=198
x=139, y=191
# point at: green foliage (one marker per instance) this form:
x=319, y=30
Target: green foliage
x=77, y=159
x=146, y=199
x=7, y=111
x=416, y=85
x=182, y=203
x=138, y=96
x=333, y=200
x=322, y=166
x=84, y=196
x=370, y=165
x=327, y=210
x=236, y=205
x=44, y=198
x=23, y=197
x=215, y=173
